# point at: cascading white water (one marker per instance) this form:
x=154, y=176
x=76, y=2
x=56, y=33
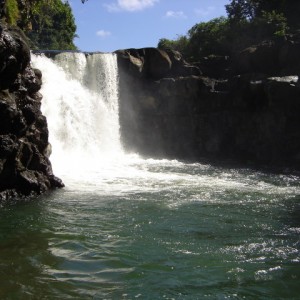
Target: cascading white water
x=80, y=101
x=81, y=104
x=126, y=227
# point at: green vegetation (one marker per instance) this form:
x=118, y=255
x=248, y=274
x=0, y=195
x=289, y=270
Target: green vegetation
x=49, y=24
x=12, y=11
x=252, y=9
x=52, y=25
x=180, y=44
x=248, y=22
x=208, y=38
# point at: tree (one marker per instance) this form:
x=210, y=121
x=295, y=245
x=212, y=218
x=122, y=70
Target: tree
x=52, y=25
x=276, y=10
x=208, y=38
x=249, y=22
x=203, y=39
x=239, y=10
x=10, y=11
x=252, y=21
x=49, y=24
x=180, y=44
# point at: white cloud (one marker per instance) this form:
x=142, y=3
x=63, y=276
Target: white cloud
x=130, y=5
x=103, y=33
x=175, y=14
x=206, y=11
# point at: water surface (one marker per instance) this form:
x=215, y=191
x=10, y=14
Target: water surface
x=129, y=228
x=156, y=230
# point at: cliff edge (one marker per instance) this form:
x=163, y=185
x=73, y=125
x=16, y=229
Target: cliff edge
x=243, y=109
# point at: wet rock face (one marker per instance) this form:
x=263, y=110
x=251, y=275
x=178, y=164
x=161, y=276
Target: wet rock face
x=249, y=117
x=14, y=55
x=25, y=168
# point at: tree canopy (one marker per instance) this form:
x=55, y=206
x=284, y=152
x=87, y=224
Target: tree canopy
x=247, y=22
x=208, y=38
x=49, y=24
x=238, y=10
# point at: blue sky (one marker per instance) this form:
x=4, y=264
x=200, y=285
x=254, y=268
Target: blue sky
x=109, y=25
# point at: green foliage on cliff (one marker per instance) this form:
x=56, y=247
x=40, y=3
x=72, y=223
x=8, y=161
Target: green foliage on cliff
x=203, y=39
x=49, y=24
x=259, y=18
x=52, y=26
x=180, y=44
x=239, y=10
x=12, y=11
x=208, y=38
x=248, y=22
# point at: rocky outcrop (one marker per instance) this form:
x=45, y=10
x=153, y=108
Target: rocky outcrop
x=25, y=168
x=244, y=115
x=152, y=63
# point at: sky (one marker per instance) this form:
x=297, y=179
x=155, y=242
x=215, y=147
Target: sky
x=109, y=25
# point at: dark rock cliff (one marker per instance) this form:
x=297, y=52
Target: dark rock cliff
x=243, y=109
x=25, y=168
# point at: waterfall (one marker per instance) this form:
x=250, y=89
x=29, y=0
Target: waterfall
x=80, y=101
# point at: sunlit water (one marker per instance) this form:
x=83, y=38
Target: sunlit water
x=129, y=228
x=167, y=230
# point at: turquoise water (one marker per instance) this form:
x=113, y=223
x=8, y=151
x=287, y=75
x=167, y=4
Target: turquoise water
x=156, y=230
